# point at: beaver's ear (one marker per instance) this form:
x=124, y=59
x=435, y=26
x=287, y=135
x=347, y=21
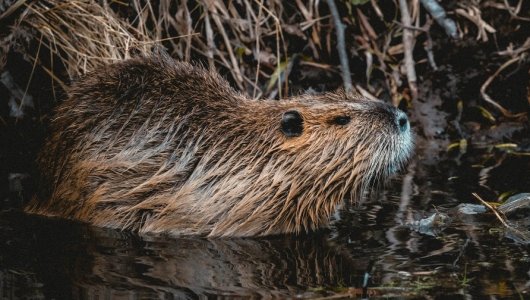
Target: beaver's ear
x=292, y=124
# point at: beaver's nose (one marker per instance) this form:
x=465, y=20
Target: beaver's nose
x=402, y=121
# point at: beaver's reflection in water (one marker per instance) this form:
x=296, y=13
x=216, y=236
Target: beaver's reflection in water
x=65, y=260
x=188, y=267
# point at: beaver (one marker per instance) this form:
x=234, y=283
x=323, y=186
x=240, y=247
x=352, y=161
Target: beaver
x=153, y=145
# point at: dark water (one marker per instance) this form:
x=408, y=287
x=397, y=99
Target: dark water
x=369, y=252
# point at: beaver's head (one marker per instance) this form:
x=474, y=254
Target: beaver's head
x=289, y=163
x=358, y=137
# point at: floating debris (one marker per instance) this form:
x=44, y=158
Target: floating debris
x=432, y=225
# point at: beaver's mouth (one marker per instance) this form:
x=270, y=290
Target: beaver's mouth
x=402, y=142
x=404, y=150
x=398, y=150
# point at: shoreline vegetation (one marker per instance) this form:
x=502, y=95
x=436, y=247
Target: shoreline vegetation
x=256, y=44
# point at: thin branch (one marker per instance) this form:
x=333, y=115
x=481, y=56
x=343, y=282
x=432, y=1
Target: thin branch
x=210, y=45
x=428, y=47
x=438, y=13
x=341, y=46
x=486, y=84
x=493, y=210
x=12, y=8
x=235, y=70
x=257, y=31
x=408, y=44
x=515, y=10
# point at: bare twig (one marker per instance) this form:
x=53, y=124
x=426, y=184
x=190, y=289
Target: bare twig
x=515, y=10
x=408, y=44
x=209, y=40
x=428, y=47
x=488, y=99
x=257, y=51
x=497, y=214
x=377, y=9
x=515, y=52
x=18, y=99
x=365, y=93
x=235, y=69
x=278, y=59
x=32, y=73
x=428, y=44
x=473, y=14
x=341, y=46
x=438, y=13
x=12, y=8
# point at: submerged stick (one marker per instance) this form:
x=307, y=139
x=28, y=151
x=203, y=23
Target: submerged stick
x=497, y=214
x=341, y=46
x=519, y=235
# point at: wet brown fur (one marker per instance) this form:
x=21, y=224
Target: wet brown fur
x=159, y=146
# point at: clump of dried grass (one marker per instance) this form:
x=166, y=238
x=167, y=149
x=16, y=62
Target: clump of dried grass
x=84, y=34
x=224, y=34
x=252, y=40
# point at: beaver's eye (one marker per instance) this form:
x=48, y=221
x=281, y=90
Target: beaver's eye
x=341, y=120
x=292, y=123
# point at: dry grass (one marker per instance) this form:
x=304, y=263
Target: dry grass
x=255, y=42
x=84, y=35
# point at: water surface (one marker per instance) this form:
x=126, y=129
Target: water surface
x=370, y=251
